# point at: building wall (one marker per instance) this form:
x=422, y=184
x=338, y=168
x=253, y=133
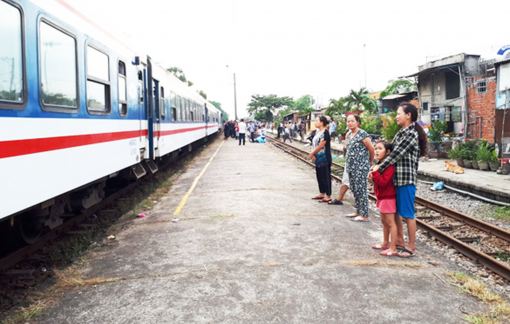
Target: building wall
x=481, y=108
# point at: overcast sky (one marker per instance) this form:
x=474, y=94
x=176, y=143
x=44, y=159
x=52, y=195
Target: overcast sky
x=292, y=48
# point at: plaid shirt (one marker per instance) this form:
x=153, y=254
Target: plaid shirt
x=405, y=154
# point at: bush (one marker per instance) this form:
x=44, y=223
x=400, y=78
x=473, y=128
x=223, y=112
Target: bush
x=455, y=153
x=391, y=128
x=437, y=130
x=483, y=153
x=371, y=124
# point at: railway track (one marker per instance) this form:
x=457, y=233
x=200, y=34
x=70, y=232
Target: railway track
x=449, y=220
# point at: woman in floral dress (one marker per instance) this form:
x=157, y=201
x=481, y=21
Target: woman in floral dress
x=359, y=157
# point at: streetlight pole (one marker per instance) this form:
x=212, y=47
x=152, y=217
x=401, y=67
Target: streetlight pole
x=235, y=96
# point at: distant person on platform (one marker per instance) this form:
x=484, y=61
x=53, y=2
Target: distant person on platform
x=286, y=134
x=280, y=128
x=332, y=130
x=225, y=130
x=242, y=131
x=252, y=131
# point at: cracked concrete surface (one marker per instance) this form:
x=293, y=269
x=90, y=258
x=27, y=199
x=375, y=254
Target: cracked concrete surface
x=252, y=247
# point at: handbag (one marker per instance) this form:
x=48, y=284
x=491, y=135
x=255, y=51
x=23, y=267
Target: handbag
x=321, y=160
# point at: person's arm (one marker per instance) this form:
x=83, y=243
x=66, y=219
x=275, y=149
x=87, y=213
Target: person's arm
x=398, y=152
x=383, y=179
x=370, y=147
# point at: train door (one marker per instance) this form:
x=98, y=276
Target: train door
x=157, y=113
x=206, y=119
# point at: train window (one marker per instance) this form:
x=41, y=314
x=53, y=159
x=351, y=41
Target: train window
x=188, y=110
x=162, y=104
x=98, y=81
x=57, y=58
x=122, y=89
x=140, y=86
x=179, y=108
x=11, y=56
x=174, y=106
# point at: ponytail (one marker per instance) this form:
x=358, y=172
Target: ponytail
x=422, y=136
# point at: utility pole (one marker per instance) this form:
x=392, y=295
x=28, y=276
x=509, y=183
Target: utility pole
x=235, y=97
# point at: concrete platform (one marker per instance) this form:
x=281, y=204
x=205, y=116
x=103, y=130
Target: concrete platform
x=252, y=247
x=485, y=183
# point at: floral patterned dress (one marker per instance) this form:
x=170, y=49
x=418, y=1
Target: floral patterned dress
x=358, y=165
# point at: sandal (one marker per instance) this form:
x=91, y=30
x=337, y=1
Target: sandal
x=388, y=253
x=405, y=253
x=325, y=200
x=360, y=219
x=336, y=202
x=380, y=247
x=318, y=197
x=352, y=215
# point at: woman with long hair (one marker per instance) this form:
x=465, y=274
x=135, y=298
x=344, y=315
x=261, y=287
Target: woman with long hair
x=359, y=157
x=408, y=145
x=321, y=155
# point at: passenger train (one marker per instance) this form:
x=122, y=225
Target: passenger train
x=78, y=107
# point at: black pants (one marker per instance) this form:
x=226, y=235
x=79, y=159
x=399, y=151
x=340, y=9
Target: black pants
x=241, y=137
x=324, y=179
x=252, y=136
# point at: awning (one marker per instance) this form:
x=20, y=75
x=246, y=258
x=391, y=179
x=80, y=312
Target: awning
x=436, y=68
x=394, y=96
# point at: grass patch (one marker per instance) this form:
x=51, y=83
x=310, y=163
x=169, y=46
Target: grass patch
x=499, y=308
x=339, y=160
x=24, y=314
x=501, y=213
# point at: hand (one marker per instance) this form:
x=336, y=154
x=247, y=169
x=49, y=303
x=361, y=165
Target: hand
x=311, y=156
x=370, y=176
x=375, y=168
x=314, y=158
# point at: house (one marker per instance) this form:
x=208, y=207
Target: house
x=502, y=111
x=442, y=89
x=391, y=102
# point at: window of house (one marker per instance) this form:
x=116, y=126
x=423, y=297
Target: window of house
x=504, y=77
x=425, y=106
x=452, y=85
x=481, y=86
x=11, y=56
x=162, y=106
x=98, y=81
x=122, y=89
x=57, y=80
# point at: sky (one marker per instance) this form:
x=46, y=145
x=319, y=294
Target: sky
x=322, y=48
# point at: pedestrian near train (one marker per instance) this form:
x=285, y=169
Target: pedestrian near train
x=252, y=131
x=409, y=144
x=279, y=130
x=242, y=131
x=225, y=130
x=237, y=130
x=386, y=200
x=286, y=134
x=359, y=157
x=321, y=155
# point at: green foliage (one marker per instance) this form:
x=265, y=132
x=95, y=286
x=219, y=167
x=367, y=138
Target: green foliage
x=398, y=86
x=355, y=100
x=203, y=94
x=268, y=103
x=224, y=115
x=437, y=130
x=304, y=104
x=494, y=157
x=190, y=83
x=391, y=128
x=9, y=95
x=455, y=153
x=483, y=153
x=179, y=74
x=371, y=124
x=342, y=127
x=337, y=108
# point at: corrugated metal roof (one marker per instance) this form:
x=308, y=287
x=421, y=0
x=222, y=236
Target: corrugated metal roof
x=394, y=96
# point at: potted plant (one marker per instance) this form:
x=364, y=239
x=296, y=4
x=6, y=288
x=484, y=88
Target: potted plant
x=494, y=161
x=437, y=130
x=467, y=157
x=483, y=156
x=456, y=154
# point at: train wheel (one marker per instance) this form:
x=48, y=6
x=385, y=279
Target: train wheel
x=29, y=227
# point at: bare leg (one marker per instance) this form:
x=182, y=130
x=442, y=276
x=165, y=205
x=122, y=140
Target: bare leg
x=392, y=229
x=411, y=231
x=400, y=231
x=343, y=190
x=386, y=232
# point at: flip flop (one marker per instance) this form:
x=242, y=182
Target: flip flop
x=336, y=202
x=318, y=198
x=388, y=253
x=352, y=215
x=325, y=200
x=380, y=247
x=360, y=219
x=405, y=253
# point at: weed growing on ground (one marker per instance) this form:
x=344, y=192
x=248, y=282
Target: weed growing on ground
x=499, y=308
x=25, y=314
x=501, y=213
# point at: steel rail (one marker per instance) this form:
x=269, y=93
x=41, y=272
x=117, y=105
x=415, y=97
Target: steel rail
x=498, y=267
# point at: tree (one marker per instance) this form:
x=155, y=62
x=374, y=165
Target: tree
x=337, y=108
x=190, y=83
x=355, y=100
x=269, y=104
x=224, y=115
x=203, y=94
x=179, y=74
x=398, y=86
x=304, y=104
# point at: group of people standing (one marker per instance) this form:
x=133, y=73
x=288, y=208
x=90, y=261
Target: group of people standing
x=394, y=175
x=238, y=130
x=291, y=130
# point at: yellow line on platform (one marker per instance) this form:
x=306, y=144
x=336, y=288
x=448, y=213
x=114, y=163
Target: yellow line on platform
x=186, y=196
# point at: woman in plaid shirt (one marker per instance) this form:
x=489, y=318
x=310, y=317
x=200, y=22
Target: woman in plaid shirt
x=408, y=145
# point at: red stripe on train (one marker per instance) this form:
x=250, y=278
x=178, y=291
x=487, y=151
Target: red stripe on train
x=178, y=131
x=39, y=145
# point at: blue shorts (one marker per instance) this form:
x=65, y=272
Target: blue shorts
x=405, y=200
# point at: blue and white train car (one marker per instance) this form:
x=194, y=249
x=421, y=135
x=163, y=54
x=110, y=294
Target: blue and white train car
x=78, y=106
